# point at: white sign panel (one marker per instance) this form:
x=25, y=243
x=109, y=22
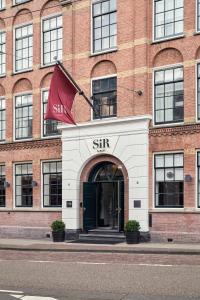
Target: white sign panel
x=102, y=144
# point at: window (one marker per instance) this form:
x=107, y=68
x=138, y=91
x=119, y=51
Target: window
x=23, y=48
x=23, y=185
x=50, y=127
x=168, y=18
x=52, y=184
x=169, y=182
x=2, y=4
x=169, y=96
x=104, y=25
x=198, y=176
x=2, y=53
x=198, y=91
x=52, y=39
x=20, y=1
x=198, y=15
x=105, y=97
x=23, y=117
x=2, y=119
x=2, y=186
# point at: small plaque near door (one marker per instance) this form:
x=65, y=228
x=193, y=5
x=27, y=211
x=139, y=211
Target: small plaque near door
x=68, y=203
x=137, y=203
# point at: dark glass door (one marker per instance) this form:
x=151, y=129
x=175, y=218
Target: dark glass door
x=89, y=205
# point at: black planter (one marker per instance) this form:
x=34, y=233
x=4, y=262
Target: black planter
x=58, y=236
x=132, y=237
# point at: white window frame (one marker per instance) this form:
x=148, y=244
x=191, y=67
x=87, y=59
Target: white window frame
x=41, y=172
x=91, y=91
x=3, y=7
x=22, y=2
x=153, y=183
x=4, y=141
x=92, y=36
x=14, y=96
x=153, y=93
x=42, y=42
x=14, y=200
x=4, y=74
x=166, y=38
x=14, y=48
x=42, y=113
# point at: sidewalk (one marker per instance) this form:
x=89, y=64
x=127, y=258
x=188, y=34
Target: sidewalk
x=142, y=248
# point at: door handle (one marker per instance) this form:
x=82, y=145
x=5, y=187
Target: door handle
x=84, y=209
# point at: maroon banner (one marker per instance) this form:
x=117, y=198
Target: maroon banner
x=61, y=97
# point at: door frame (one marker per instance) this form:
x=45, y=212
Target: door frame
x=85, y=174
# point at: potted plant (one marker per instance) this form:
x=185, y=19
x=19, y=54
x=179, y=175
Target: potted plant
x=58, y=231
x=132, y=232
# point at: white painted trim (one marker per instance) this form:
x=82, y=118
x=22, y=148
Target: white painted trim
x=4, y=74
x=196, y=181
x=91, y=32
x=41, y=185
x=166, y=38
x=14, y=40
x=41, y=38
x=91, y=83
x=153, y=183
x=160, y=68
x=14, y=97
x=13, y=187
x=196, y=17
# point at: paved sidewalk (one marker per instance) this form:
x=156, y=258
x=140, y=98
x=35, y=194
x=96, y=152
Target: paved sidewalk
x=48, y=245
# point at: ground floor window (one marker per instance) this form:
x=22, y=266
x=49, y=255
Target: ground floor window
x=23, y=185
x=52, y=184
x=169, y=183
x=2, y=186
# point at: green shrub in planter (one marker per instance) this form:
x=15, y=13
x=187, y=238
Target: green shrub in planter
x=58, y=231
x=132, y=232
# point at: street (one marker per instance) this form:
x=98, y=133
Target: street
x=52, y=275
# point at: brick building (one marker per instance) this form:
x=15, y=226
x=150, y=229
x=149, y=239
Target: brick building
x=138, y=157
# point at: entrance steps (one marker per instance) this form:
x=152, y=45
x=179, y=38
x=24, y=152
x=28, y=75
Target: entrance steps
x=99, y=236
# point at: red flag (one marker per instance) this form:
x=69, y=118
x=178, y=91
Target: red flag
x=61, y=97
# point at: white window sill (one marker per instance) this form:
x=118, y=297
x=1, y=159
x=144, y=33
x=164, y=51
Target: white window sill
x=104, y=52
x=168, y=39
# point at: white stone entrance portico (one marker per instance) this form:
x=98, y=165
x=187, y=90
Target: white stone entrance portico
x=124, y=138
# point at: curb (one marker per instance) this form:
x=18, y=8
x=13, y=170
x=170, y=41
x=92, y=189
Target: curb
x=126, y=251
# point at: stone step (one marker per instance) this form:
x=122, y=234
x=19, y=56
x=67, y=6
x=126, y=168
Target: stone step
x=108, y=238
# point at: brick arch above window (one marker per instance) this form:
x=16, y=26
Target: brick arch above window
x=46, y=80
x=167, y=56
x=22, y=85
x=50, y=7
x=22, y=16
x=103, y=68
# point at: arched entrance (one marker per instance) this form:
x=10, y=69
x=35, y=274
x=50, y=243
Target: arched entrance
x=103, y=198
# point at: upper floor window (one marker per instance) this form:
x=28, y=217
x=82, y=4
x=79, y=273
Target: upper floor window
x=198, y=177
x=20, y=1
x=169, y=183
x=23, y=116
x=23, y=185
x=52, y=39
x=2, y=4
x=50, y=127
x=104, y=14
x=2, y=119
x=198, y=15
x=105, y=97
x=169, y=96
x=2, y=186
x=52, y=184
x=198, y=91
x=23, y=48
x=168, y=18
x=2, y=53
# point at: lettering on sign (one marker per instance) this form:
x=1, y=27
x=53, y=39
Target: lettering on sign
x=100, y=145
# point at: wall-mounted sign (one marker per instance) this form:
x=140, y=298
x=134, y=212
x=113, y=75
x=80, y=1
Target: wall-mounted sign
x=102, y=144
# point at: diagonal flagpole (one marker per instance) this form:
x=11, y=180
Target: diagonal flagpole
x=80, y=91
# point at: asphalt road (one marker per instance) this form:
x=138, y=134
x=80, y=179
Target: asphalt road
x=75, y=276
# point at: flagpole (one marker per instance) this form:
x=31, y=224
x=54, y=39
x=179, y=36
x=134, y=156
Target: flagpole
x=81, y=93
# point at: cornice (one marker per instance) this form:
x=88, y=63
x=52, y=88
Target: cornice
x=34, y=144
x=175, y=130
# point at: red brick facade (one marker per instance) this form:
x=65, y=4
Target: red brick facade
x=133, y=62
